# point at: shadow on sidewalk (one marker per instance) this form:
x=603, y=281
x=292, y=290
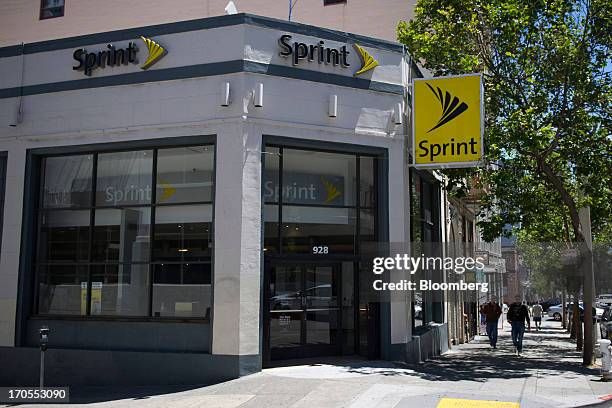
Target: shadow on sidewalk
x=546, y=352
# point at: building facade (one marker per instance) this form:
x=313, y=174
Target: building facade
x=35, y=20
x=197, y=220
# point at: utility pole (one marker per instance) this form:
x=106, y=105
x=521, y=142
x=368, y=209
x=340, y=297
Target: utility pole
x=291, y=6
x=589, y=289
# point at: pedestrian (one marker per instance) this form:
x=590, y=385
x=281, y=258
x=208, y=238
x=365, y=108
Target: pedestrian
x=517, y=314
x=483, y=320
x=492, y=311
x=536, y=313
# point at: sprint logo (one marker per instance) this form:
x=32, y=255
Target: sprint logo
x=111, y=56
x=367, y=61
x=450, y=109
x=299, y=52
x=156, y=52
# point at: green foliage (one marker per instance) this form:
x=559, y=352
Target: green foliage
x=546, y=68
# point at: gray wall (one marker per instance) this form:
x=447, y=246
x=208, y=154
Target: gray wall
x=88, y=367
x=122, y=335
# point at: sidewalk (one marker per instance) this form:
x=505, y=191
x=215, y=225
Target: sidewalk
x=547, y=375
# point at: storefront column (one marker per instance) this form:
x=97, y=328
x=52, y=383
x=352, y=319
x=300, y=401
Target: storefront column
x=237, y=253
x=11, y=242
x=399, y=227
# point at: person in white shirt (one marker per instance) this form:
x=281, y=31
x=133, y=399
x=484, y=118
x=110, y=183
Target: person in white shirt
x=536, y=313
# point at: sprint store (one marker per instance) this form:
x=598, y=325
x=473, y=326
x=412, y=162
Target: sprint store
x=189, y=202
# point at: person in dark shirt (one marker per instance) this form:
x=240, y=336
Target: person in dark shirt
x=492, y=311
x=517, y=315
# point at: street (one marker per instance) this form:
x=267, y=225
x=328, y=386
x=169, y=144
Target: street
x=548, y=374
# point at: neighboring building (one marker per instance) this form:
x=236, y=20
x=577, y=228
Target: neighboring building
x=33, y=20
x=512, y=279
x=495, y=265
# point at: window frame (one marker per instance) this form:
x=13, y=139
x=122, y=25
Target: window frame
x=43, y=8
x=37, y=209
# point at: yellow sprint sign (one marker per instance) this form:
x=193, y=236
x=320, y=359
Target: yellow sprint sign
x=447, y=121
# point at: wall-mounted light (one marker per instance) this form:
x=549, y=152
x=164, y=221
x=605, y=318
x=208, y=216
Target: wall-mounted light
x=398, y=114
x=15, y=117
x=332, y=110
x=225, y=94
x=258, y=97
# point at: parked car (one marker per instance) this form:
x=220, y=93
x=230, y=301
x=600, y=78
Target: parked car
x=605, y=324
x=320, y=296
x=604, y=300
x=555, y=311
x=548, y=303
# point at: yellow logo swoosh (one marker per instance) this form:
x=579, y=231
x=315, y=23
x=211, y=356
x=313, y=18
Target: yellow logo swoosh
x=167, y=190
x=332, y=191
x=156, y=52
x=368, y=62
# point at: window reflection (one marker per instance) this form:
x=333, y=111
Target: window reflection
x=306, y=227
x=62, y=289
x=321, y=195
x=183, y=233
x=67, y=181
x=64, y=236
x=318, y=178
x=182, y=290
x=124, y=178
x=122, y=235
x=184, y=174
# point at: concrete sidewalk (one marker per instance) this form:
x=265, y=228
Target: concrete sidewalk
x=548, y=374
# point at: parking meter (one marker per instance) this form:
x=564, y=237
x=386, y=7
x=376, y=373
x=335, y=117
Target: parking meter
x=44, y=341
x=44, y=338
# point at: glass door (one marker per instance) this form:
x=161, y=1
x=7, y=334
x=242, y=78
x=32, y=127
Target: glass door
x=303, y=310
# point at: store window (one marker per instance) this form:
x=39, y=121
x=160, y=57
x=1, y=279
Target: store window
x=51, y=9
x=126, y=233
x=317, y=202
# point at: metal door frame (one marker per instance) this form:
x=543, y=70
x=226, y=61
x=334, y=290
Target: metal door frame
x=304, y=350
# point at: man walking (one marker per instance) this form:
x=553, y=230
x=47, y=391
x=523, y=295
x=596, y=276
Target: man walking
x=492, y=311
x=536, y=313
x=517, y=314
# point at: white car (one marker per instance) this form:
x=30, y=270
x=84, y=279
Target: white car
x=604, y=299
x=555, y=311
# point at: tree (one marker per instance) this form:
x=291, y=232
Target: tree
x=548, y=93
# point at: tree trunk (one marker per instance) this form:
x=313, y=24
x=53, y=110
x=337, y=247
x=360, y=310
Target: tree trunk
x=581, y=233
x=577, y=325
x=563, y=311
